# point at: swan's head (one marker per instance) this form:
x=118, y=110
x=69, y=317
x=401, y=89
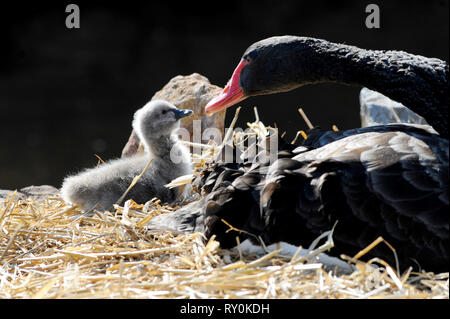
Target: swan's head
x=267, y=66
x=157, y=118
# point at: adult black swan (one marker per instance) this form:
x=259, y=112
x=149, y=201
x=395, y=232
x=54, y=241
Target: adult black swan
x=281, y=64
x=389, y=181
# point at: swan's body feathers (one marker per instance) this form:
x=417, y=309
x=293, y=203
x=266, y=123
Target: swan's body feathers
x=388, y=183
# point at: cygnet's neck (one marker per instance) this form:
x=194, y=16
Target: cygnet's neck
x=160, y=146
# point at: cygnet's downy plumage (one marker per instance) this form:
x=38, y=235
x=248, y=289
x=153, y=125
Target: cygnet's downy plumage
x=102, y=186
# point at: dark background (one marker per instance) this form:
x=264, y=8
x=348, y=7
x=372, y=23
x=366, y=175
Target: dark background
x=67, y=94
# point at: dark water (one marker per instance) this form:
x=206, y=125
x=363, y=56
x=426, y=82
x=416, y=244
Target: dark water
x=66, y=95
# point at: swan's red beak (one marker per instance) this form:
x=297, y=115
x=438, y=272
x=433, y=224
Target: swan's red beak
x=231, y=94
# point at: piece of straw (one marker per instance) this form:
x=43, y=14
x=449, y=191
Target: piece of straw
x=135, y=180
x=305, y=118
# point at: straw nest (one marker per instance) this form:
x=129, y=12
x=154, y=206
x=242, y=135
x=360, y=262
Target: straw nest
x=49, y=249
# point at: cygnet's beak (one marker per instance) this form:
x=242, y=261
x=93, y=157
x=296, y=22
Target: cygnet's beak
x=180, y=113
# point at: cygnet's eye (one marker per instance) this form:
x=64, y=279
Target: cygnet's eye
x=164, y=112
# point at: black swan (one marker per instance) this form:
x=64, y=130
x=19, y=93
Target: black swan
x=102, y=186
x=389, y=181
x=397, y=190
x=280, y=64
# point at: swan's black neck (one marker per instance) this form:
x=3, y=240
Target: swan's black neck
x=418, y=82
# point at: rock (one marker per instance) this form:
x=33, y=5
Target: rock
x=5, y=192
x=378, y=109
x=35, y=192
x=187, y=92
x=133, y=145
x=41, y=191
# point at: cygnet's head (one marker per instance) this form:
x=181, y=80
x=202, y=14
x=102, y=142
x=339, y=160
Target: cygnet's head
x=158, y=118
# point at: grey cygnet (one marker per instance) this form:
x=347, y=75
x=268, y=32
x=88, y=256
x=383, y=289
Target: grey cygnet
x=102, y=186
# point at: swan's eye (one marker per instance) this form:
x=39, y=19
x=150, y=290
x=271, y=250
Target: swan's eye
x=248, y=59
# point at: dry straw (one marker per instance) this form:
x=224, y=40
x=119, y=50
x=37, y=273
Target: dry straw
x=49, y=249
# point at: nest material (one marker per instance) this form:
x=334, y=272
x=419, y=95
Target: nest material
x=49, y=249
